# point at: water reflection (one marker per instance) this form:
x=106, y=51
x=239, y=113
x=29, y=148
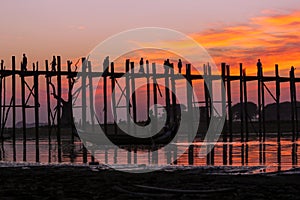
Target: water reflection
x=272, y=155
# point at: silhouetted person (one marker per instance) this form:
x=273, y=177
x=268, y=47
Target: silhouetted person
x=259, y=68
x=179, y=66
x=142, y=66
x=2, y=64
x=24, y=62
x=53, y=64
x=166, y=66
x=105, y=66
x=292, y=72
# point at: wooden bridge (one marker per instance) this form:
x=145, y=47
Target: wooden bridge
x=86, y=76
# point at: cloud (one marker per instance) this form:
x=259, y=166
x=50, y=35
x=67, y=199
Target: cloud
x=274, y=38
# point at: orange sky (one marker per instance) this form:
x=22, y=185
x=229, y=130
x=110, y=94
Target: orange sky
x=274, y=39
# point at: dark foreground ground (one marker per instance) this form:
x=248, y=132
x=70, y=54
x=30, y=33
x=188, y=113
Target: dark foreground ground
x=61, y=182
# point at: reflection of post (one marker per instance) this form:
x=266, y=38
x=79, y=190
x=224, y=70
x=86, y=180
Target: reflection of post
x=14, y=105
x=190, y=122
x=23, y=112
x=36, y=115
x=224, y=133
x=58, y=107
x=279, y=156
x=294, y=154
x=113, y=96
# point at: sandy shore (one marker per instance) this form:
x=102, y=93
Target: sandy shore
x=82, y=182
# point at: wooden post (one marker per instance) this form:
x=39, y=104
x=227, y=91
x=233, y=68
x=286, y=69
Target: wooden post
x=127, y=92
x=3, y=109
x=241, y=103
x=278, y=102
x=229, y=113
x=167, y=94
x=48, y=109
x=83, y=102
x=207, y=107
x=224, y=133
x=189, y=85
x=23, y=94
x=113, y=97
x=293, y=108
x=154, y=123
x=105, y=74
x=259, y=102
x=211, y=103
x=69, y=63
x=263, y=107
x=58, y=108
x=148, y=87
x=242, y=115
x=133, y=90
x=14, y=106
x=91, y=94
x=133, y=93
x=91, y=98
x=36, y=115
x=70, y=84
x=1, y=78
x=175, y=114
x=246, y=104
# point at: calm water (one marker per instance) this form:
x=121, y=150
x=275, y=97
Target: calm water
x=272, y=156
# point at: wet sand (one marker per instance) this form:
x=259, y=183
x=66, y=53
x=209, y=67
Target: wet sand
x=74, y=182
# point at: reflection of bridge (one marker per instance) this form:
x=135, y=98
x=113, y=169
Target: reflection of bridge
x=109, y=77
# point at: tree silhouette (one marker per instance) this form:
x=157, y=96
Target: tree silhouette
x=251, y=108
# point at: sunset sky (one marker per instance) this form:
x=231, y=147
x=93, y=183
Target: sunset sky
x=232, y=31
